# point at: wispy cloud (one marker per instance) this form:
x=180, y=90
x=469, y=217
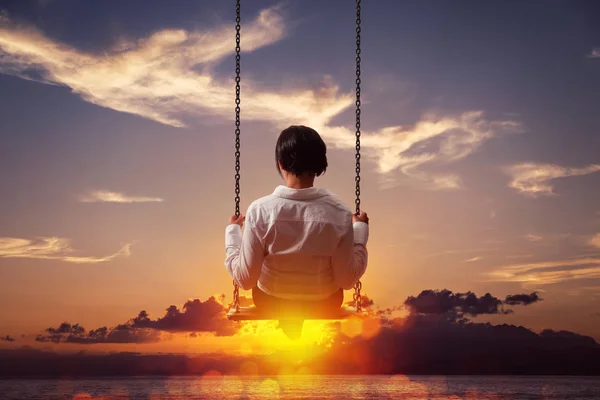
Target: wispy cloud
x=595, y=53
x=433, y=141
x=461, y=251
x=156, y=77
x=170, y=74
x=533, y=238
x=548, y=272
x=104, y=196
x=473, y=259
x=512, y=256
x=535, y=179
x=51, y=248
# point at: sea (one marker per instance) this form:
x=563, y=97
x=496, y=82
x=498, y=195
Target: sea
x=403, y=387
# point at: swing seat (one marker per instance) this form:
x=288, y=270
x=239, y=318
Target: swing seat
x=254, y=314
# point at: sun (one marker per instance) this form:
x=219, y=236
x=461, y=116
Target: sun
x=265, y=337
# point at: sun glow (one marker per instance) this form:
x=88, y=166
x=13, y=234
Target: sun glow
x=265, y=337
x=318, y=336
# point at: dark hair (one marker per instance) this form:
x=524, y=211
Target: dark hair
x=301, y=150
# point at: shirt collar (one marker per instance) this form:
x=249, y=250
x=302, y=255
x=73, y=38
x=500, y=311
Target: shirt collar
x=300, y=194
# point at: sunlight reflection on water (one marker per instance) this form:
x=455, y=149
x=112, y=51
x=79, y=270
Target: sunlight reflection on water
x=215, y=386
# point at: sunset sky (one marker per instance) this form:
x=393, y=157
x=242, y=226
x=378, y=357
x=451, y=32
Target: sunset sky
x=481, y=143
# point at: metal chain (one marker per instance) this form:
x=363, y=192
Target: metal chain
x=236, y=289
x=236, y=297
x=357, y=296
x=357, y=179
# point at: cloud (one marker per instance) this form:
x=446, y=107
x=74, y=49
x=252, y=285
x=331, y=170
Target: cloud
x=7, y=338
x=418, y=343
x=104, y=196
x=525, y=255
x=595, y=241
x=455, y=306
x=196, y=316
x=67, y=333
x=522, y=299
x=460, y=251
x=474, y=259
x=433, y=141
x=533, y=238
x=171, y=74
x=155, y=77
x=51, y=248
x=535, y=179
x=548, y=272
x=365, y=302
x=595, y=53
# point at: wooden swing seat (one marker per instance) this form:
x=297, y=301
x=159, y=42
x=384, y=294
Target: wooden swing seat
x=254, y=314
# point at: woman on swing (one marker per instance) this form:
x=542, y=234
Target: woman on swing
x=300, y=246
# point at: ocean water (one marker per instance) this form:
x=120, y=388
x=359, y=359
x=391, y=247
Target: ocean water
x=305, y=387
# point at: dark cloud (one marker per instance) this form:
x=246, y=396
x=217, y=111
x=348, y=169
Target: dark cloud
x=454, y=306
x=416, y=344
x=7, y=338
x=64, y=330
x=195, y=316
x=67, y=333
x=419, y=344
x=567, y=338
x=522, y=299
x=365, y=302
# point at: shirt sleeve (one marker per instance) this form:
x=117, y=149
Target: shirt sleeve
x=349, y=261
x=244, y=254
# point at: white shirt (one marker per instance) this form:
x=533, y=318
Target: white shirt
x=297, y=244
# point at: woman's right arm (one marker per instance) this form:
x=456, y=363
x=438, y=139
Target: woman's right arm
x=349, y=262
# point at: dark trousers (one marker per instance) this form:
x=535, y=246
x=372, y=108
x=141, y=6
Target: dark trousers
x=264, y=301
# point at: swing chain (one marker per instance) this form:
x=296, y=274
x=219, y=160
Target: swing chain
x=357, y=296
x=237, y=110
x=358, y=81
x=236, y=289
x=236, y=296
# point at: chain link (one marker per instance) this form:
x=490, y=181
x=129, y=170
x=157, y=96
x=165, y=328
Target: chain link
x=357, y=296
x=236, y=289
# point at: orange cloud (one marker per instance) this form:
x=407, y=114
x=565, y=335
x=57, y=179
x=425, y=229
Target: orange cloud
x=51, y=248
x=548, y=272
x=105, y=196
x=535, y=179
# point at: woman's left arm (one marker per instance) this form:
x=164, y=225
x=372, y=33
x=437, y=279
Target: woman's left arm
x=244, y=252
